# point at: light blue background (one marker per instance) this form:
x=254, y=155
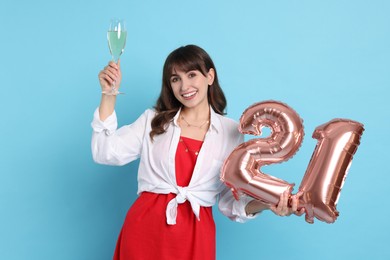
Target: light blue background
x=326, y=59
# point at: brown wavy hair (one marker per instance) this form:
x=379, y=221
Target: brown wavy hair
x=185, y=58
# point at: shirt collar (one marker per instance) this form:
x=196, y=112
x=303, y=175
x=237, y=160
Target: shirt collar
x=215, y=122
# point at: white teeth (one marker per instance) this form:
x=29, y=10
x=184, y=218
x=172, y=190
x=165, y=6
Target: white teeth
x=189, y=94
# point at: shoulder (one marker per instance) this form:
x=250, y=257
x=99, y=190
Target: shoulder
x=227, y=122
x=144, y=119
x=229, y=127
x=148, y=114
x=229, y=132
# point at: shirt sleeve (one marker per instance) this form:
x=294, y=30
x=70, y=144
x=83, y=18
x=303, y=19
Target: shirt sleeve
x=114, y=146
x=234, y=209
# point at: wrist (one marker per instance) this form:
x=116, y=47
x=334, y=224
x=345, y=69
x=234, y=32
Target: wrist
x=255, y=207
x=111, y=91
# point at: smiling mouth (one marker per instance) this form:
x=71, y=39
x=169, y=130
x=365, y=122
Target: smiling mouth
x=189, y=95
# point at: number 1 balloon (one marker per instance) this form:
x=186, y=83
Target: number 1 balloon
x=321, y=185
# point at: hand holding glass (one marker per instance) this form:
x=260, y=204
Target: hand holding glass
x=116, y=37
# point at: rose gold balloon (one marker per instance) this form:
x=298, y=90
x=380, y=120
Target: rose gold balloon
x=241, y=170
x=338, y=141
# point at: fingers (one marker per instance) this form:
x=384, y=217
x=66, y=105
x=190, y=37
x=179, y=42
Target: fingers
x=288, y=205
x=282, y=208
x=110, y=74
x=112, y=70
x=294, y=204
x=298, y=211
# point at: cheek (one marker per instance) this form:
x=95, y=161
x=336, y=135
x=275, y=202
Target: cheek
x=175, y=90
x=205, y=84
x=174, y=87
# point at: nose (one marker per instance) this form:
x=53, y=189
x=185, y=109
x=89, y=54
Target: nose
x=185, y=84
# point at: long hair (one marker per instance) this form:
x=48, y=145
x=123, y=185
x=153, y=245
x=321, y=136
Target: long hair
x=186, y=58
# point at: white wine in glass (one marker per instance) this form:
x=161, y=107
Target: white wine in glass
x=116, y=37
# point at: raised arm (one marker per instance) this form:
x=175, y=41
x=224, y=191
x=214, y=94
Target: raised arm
x=111, y=74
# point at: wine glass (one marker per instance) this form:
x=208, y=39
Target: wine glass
x=116, y=37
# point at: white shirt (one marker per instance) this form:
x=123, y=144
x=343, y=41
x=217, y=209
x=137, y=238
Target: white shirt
x=156, y=172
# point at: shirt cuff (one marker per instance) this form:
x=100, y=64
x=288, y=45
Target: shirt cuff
x=239, y=209
x=107, y=126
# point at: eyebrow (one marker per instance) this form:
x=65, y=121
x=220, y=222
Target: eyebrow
x=185, y=72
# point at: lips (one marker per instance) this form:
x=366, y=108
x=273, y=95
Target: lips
x=189, y=95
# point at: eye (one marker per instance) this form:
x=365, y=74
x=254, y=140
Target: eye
x=174, y=79
x=191, y=74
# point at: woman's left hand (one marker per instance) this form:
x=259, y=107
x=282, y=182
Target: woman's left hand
x=284, y=209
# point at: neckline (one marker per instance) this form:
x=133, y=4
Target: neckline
x=215, y=122
x=191, y=139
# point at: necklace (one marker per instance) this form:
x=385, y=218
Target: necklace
x=191, y=125
x=187, y=149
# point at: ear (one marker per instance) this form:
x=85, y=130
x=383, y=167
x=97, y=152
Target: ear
x=210, y=76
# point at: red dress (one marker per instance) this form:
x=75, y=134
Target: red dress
x=145, y=233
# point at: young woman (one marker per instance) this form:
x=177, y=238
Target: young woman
x=181, y=144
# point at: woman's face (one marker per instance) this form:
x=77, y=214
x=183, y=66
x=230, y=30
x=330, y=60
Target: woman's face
x=191, y=87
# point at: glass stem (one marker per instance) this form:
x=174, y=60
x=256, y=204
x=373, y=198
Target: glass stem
x=113, y=88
